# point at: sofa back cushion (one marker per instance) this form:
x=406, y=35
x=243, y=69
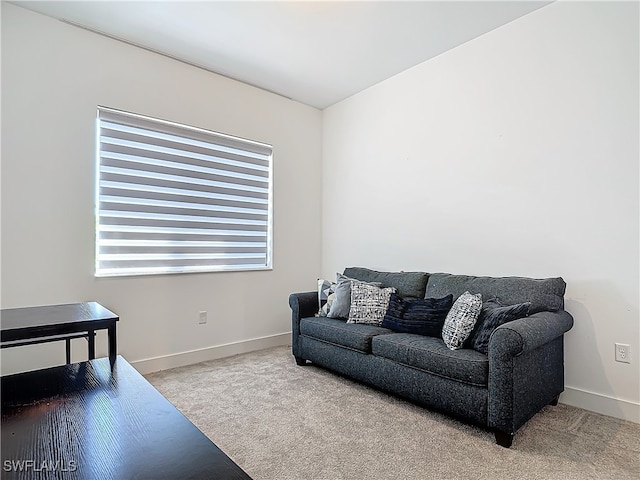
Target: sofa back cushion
x=544, y=294
x=407, y=284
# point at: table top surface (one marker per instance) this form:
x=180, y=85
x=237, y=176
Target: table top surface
x=50, y=315
x=86, y=421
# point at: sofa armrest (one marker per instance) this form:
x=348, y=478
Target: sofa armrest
x=526, y=368
x=527, y=334
x=304, y=304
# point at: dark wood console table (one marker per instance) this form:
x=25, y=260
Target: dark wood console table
x=94, y=420
x=51, y=323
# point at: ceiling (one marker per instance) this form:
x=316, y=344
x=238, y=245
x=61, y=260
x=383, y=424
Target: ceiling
x=317, y=53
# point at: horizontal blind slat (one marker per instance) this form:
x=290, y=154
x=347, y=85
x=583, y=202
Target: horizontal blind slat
x=112, y=202
x=114, y=271
x=205, y=251
x=159, y=191
x=132, y=242
x=160, y=217
x=168, y=230
x=149, y=163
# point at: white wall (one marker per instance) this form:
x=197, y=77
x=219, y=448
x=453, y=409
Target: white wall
x=53, y=78
x=513, y=154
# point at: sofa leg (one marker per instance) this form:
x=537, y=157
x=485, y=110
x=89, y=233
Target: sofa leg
x=300, y=361
x=504, y=439
x=554, y=402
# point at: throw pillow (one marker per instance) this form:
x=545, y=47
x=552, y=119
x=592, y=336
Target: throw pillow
x=492, y=316
x=342, y=302
x=461, y=319
x=419, y=316
x=474, y=333
x=369, y=303
x=326, y=296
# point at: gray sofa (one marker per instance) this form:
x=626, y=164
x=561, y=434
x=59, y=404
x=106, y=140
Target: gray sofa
x=522, y=372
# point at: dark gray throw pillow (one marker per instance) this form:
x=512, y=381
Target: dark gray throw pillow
x=420, y=316
x=493, y=315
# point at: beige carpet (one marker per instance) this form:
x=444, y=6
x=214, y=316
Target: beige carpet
x=279, y=421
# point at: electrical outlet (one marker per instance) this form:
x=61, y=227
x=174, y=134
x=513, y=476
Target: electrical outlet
x=623, y=353
x=202, y=319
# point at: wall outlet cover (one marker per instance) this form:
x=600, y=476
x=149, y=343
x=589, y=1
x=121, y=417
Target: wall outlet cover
x=623, y=353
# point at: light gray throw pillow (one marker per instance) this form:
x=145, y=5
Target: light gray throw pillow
x=342, y=299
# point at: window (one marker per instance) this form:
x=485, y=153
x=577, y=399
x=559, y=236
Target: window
x=175, y=199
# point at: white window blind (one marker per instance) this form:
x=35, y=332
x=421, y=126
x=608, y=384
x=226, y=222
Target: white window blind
x=174, y=199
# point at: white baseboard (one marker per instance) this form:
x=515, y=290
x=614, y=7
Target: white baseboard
x=181, y=359
x=599, y=403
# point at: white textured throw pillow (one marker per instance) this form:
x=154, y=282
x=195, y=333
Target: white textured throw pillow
x=369, y=303
x=461, y=319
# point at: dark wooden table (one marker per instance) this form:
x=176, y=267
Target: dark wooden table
x=50, y=323
x=91, y=421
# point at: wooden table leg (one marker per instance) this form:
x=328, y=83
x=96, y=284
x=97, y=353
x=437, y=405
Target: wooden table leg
x=111, y=331
x=91, y=338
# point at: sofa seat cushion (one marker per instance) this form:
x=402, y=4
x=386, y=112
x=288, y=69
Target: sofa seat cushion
x=334, y=330
x=432, y=355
